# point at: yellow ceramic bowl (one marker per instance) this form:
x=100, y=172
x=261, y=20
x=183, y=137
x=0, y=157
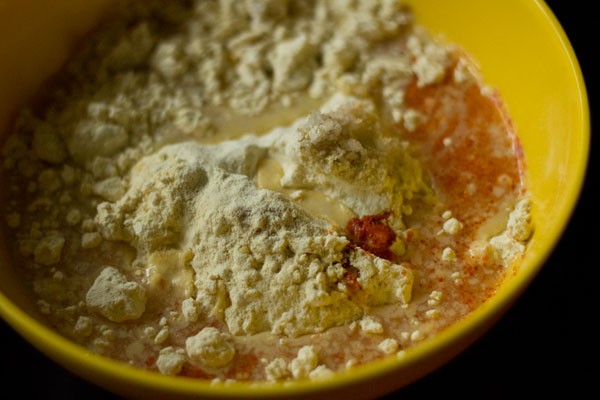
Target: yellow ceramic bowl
x=522, y=51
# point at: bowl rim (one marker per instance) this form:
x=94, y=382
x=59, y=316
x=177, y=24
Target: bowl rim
x=53, y=344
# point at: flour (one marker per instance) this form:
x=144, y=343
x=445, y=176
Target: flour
x=115, y=298
x=48, y=250
x=343, y=154
x=304, y=363
x=510, y=244
x=170, y=360
x=281, y=270
x=138, y=198
x=211, y=348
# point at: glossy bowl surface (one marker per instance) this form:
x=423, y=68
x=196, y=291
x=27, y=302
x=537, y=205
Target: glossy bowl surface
x=522, y=51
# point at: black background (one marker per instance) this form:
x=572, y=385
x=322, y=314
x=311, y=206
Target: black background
x=544, y=346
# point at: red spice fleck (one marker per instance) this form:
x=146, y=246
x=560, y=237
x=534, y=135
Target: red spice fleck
x=351, y=278
x=410, y=235
x=243, y=366
x=194, y=372
x=352, y=273
x=150, y=361
x=372, y=234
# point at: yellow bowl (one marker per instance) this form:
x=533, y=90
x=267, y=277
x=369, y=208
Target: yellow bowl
x=522, y=51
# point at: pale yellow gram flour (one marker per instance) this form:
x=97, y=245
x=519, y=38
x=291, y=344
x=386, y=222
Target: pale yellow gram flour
x=184, y=130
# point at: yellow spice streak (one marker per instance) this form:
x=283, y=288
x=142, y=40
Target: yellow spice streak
x=314, y=203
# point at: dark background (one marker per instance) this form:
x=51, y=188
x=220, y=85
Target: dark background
x=544, y=346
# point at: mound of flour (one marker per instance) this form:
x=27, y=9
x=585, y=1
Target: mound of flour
x=261, y=262
x=121, y=154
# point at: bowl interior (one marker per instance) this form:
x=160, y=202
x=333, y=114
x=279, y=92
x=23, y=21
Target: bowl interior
x=531, y=63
